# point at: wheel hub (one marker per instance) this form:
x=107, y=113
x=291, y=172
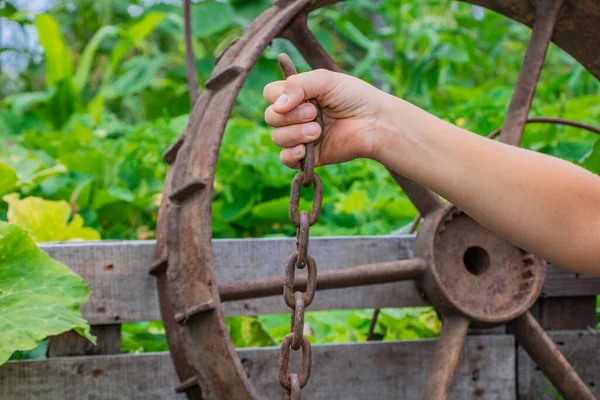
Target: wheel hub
x=474, y=272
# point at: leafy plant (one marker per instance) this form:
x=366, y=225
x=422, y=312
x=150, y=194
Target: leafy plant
x=83, y=126
x=47, y=220
x=38, y=295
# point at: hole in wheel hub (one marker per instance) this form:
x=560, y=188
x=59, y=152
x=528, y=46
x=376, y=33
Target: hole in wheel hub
x=476, y=260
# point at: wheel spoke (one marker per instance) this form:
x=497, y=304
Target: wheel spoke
x=443, y=367
x=305, y=41
x=424, y=199
x=190, y=63
x=543, y=27
x=361, y=275
x=548, y=357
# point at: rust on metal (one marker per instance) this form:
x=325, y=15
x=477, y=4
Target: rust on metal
x=297, y=321
x=294, y=388
x=449, y=346
x=171, y=153
x=229, y=47
x=302, y=237
x=290, y=277
x=295, y=198
x=187, y=189
x=547, y=356
x=473, y=272
x=284, y=361
x=300, y=259
x=424, y=199
x=304, y=40
x=307, y=164
x=190, y=58
x=159, y=266
x=185, y=316
x=373, y=324
x=188, y=385
x=547, y=14
x=223, y=76
x=471, y=276
x=555, y=121
x=362, y=275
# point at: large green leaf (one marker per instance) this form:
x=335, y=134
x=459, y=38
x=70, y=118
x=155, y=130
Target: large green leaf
x=46, y=220
x=210, y=17
x=8, y=179
x=592, y=159
x=39, y=296
x=58, y=59
x=21, y=102
x=85, y=63
x=131, y=35
x=142, y=28
x=248, y=332
x=140, y=72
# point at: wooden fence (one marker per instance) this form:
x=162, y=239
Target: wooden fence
x=491, y=367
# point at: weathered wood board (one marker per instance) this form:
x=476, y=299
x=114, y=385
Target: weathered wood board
x=117, y=272
x=69, y=344
x=390, y=370
x=581, y=348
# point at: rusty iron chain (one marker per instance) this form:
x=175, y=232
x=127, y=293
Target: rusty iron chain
x=296, y=300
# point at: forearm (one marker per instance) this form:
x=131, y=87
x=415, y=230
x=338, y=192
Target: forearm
x=545, y=205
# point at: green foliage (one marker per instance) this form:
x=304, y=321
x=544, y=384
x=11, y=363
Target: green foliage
x=211, y=17
x=47, y=220
x=140, y=337
x=86, y=126
x=38, y=295
x=320, y=327
x=8, y=179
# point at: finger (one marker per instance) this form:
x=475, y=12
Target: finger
x=287, y=95
x=272, y=91
x=291, y=157
x=303, y=113
x=291, y=135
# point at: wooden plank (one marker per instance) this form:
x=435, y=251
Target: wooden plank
x=123, y=290
x=117, y=273
x=561, y=282
x=560, y=313
x=243, y=260
x=382, y=370
x=69, y=344
x=581, y=348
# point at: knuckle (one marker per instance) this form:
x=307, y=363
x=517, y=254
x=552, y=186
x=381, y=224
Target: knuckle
x=293, y=80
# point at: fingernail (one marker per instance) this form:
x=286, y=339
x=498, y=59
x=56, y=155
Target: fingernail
x=306, y=112
x=309, y=130
x=281, y=100
x=296, y=150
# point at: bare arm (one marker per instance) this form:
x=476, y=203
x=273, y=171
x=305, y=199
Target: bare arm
x=545, y=205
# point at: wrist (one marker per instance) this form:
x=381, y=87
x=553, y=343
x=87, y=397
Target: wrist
x=396, y=137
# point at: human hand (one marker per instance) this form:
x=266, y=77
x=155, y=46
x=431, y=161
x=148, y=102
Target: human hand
x=351, y=111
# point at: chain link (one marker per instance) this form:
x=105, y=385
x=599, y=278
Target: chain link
x=296, y=300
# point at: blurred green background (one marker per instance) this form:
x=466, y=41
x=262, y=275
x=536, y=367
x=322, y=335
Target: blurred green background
x=94, y=91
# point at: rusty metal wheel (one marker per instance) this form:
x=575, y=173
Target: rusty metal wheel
x=470, y=275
